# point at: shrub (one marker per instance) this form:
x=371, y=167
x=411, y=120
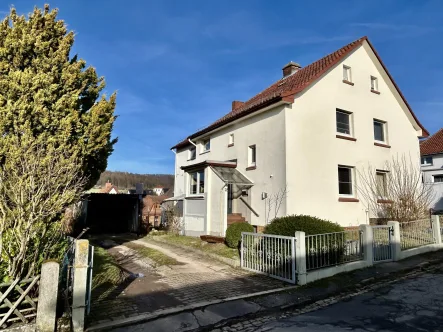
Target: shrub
x=233, y=233
x=324, y=251
x=310, y=225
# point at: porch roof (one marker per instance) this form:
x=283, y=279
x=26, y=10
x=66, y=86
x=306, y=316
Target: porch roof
x=231, y=175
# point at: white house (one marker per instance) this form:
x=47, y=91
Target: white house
x=158, y=191
x=309, y=132
x=432, y=166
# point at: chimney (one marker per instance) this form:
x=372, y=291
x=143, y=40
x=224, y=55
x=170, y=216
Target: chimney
x=236, y=104
x=290, y=68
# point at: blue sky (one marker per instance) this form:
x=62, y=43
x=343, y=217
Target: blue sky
x=177, y=65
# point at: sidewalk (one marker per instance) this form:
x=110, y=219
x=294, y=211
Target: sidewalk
x=216, y=314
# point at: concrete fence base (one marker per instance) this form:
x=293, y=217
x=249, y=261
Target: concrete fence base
x=47, y=297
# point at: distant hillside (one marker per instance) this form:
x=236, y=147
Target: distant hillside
x=124, y=180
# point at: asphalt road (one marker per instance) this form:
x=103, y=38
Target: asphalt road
x=408, y=305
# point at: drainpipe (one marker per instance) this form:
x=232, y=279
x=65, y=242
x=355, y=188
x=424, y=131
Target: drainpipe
x=189, y=140
x=221, y=210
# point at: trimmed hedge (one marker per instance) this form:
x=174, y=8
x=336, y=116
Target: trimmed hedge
x=233, y=233
x=310, y=225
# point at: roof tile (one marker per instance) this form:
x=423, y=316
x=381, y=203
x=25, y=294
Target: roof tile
x=432, y=145
x=294, y=84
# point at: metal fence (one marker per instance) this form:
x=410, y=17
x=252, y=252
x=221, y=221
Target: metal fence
x=416, y=233
x=330, y=249
x=273, y=255
x=382, y=243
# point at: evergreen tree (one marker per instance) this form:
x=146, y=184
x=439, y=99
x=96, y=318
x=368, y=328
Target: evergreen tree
x=50, y=95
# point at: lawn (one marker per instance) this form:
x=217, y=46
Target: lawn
x=106, y=270
x=195, y=242
x=158, y=257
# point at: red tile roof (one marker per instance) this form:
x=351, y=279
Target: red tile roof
x=432, y=145
x=286, y=88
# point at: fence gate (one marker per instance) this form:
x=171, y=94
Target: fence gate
x=382, y=243
x=272, y=255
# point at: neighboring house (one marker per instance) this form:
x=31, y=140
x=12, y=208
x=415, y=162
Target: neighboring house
x=431, y=151
x=310, y=132
x=159, y=191
x=109, y=189
x=152, y=211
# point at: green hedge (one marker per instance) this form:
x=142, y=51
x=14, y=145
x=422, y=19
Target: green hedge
x=310, y=225
x=233, y=233
x=317, y=254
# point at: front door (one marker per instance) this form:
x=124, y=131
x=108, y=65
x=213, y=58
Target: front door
x=230, y=198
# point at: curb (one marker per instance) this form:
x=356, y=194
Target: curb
x=363, y=286
x=167, y=312
x=228, y=261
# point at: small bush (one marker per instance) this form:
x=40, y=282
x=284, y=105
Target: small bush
x=310, y=225
x=233, y=233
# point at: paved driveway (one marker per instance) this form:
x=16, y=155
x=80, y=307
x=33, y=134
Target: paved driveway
x=197, y=279
x=408, y=305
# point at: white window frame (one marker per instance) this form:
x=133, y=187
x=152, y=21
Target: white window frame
x=374, y=83
x=351, y=122
x=438, y=175
x=385, y=131
x=347, y=74
x=198, y=172
x=385, y=174
x=190, y=156
x=204, y=142
x=231, y=139
x=252, y=148
x=425, y=163
x=353, y=193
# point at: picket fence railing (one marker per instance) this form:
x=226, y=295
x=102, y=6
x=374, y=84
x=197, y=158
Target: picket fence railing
x=416, y=234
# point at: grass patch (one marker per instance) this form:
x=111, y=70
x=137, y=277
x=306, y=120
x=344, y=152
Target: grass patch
x=158, y=257
x=106, y=270
x=195, y=242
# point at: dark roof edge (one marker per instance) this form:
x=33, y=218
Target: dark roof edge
x=207, y=163
x=226, y=121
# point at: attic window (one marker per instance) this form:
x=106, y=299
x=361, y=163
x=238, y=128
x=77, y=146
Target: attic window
x=347, y=73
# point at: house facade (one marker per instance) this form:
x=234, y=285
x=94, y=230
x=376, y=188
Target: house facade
x=432, y=167
x=298, y=146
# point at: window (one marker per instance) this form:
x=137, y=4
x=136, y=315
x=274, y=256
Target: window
x=345, y=180
x=252, y=155
x=231, y=139
x=426, y=161
x=382, y=189
x=379, y=130
x=343, y=122
x=438, y=178
x=347, y=73
x=206, y=145
x=191, y=155
x=197, y=182
x=374, y=83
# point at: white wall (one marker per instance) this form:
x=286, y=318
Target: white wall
x=194, y=214
x=428, y=173
x=266, y=131
x=314, y=152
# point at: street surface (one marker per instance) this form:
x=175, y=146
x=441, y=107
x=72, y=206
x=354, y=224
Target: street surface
x=408, y=305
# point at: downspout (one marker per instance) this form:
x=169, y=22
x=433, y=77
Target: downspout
x=189, y=140
x=222, y=210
